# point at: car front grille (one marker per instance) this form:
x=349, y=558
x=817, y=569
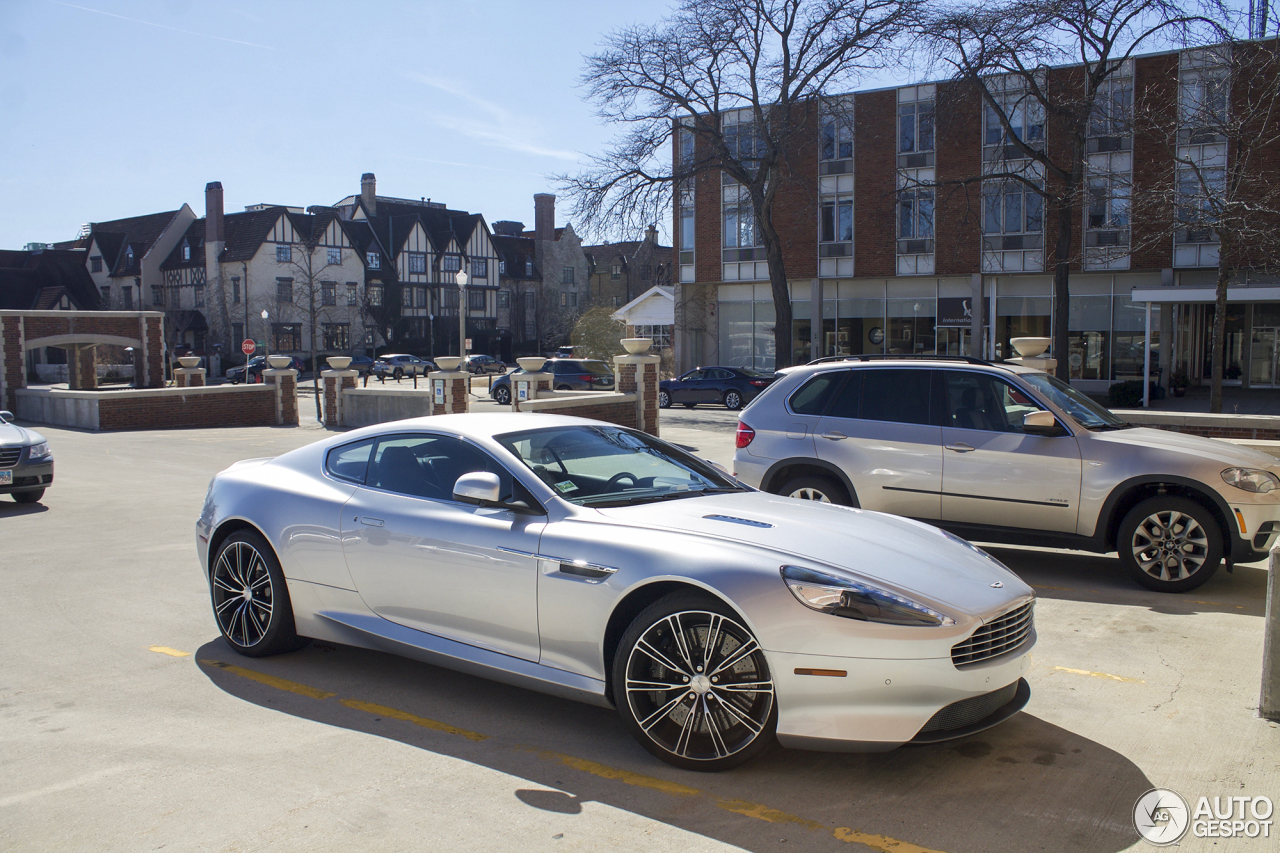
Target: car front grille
x=966, y=712
x=9, y=456
x=995, y=638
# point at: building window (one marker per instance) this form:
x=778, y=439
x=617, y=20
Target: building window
x=186, y=251
x=566, y=275
x=915, y=134
x=837, y=138
x=646, y=272
x=417, y=262
x=915, y=221
x=368, y=337
x=373, y=293
x=1026, y=123
x=739, y=134
x=374, y=261
x=284, y=290
x=836, y=222
x=475, y=300
x=175, y=297
x=284, y=254
x=451, y=263
x=351, y=293
x=421, y=294
x=1108, y=201
x=660, y=335
x=235, y=289
x=449, y=298
x=1112, y=114
x=479, y=267
x=564, y=300
x=105, y=291
x=157, y=295
x=502, y=267
x=128, y=257
x=504, y=299
x=127, y=293
x=1203, y=87
x=617, y=301
x=199, y=295
x=1012, y=208
x=528, y=269
x=1200, y=190
x=615, y=272
x=328, y=293
x=337, y=336
x=334, y=257
x=95, y=263
x=406, y=297
x=237, y=333
x=288, y=336
x=739, y=219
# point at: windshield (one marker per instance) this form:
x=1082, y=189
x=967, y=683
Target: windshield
x=1081, y=408
x=610, y=466
x=596, y=368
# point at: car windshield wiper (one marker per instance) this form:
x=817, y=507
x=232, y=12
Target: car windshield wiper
x=1106, y=427
x=661, y=496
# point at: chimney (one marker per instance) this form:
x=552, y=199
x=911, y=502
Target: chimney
x=369, y=193
x=544, y=216
x=652, y=235
x=214, y=226
x=507, y=228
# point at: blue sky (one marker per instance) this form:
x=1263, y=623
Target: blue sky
x=114, y=108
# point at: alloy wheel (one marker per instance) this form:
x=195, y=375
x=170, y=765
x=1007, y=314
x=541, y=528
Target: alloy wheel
x=243, y=597
x=808, y=493
x=698, y=686
x=1170, y=545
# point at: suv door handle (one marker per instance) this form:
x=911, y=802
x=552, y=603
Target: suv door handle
x=960, y=447
x=372, y=522
x=835, y=436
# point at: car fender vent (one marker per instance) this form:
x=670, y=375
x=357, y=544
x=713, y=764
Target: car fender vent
x=735, y=520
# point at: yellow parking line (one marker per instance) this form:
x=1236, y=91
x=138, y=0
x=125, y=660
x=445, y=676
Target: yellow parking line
x=1100, y=675
x=165, y=650
x=1059, y=588
x=759, y=812
x=1216, y=603
x=270, y=680
x=625, y=776
x=384, y=711
x=883, y=843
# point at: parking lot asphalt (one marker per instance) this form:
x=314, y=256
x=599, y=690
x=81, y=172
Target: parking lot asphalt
x=128, y=724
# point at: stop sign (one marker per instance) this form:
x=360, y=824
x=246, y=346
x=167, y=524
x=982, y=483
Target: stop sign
x=247, y=346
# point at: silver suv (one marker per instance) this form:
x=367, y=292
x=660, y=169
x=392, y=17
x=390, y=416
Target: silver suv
x=1003, y=453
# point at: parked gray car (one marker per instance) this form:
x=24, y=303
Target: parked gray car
x=26, y=463
x=1003, y=453
x=568, y=374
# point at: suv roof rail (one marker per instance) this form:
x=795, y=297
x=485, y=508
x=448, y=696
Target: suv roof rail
x=967, y=359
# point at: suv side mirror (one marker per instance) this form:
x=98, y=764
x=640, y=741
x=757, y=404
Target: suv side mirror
x=1041, y=423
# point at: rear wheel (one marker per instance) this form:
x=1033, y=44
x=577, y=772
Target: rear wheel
x=250, y=599
x=398, y=374
x=693, y=686
x=664, y=400
x=28, y=497
x=563, y=388
x=815, y=488
x=1170, y=544
x=732, y=400
x=502, y=394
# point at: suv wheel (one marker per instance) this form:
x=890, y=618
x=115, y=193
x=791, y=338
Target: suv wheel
x=732, y=400
x=397, y=374
x=820, y=489
x=1170, y=544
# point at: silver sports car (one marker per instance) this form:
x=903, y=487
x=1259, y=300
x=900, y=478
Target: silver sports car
x=604, y=565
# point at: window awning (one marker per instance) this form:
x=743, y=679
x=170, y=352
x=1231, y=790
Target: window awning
x=1204, y=294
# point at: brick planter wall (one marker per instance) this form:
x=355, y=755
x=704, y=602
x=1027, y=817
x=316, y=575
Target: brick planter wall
x=196, y=410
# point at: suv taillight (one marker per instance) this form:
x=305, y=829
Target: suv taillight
x=744, y=436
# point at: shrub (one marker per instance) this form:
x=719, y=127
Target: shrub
x=1125, y=394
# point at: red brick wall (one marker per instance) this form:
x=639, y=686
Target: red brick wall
x=795, y=207
x=1155, y=109
x=155, y=352
x=958, y=215
x=875, y=171
x=14, y=361
x=650, y=415
x=249, y=406
x=622, y=413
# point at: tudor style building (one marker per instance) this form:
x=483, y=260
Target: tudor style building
x=882, y=258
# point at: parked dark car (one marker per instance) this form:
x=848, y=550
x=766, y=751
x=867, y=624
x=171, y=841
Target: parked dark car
x=732, y=386
x=571, y=374
x=255, y=367
x=483, y=364
x=361, y=364
x=397, y=365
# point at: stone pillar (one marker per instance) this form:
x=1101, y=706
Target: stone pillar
x=13, y=361
x=153, y=345
x=638, y=374
x=335, y=382
x=450, y=392
x=189, y=377
x=286, y=385
x=527, y=386
x=1269, y=703
x=82, y=368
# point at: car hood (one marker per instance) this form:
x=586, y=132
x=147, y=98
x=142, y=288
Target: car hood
x=909, y=555
x=13, y=434
x=1194, y=445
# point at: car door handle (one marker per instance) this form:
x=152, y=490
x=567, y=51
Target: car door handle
x=372, y=522
x=835, y=436
x=960, y=447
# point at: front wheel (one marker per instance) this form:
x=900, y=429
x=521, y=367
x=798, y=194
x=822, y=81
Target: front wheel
x=693, y=685
x=1170, y=544
x=28, y=497
x=398, y=374
x=502, y=395
x=732, y=400
x=250, y=599
x=664, y=400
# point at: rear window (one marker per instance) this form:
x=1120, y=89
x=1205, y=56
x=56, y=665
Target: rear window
x=350, y=461
x=813, y=396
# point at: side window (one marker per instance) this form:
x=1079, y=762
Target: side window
x=719, y=375
x=695, y=375
x=982, y=402
x=813, y=396
x=428, y=466
x=899, y=396
x=350, y=461
x=845, y=403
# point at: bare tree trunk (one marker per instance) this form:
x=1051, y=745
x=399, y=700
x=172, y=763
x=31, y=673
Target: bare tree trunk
x=1062, y=270
x=778, y=287
x=1218, y=338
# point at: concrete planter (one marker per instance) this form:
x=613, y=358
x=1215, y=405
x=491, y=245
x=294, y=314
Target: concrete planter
x=339, y=362
x=189, y=361
x=636, y=346
x=448, y=363
x=531, y=364
x=279, y=362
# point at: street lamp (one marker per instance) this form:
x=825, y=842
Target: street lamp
x=266, y=339
x=462, y=318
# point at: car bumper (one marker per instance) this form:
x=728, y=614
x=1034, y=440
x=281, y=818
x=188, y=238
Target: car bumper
x=29, y=477
x=750, y=470
x=1257, y=526
x=882, y=704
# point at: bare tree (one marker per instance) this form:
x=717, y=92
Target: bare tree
x=670, y=85
x=1220, y=140
x=314, y=295
x=1042, y=69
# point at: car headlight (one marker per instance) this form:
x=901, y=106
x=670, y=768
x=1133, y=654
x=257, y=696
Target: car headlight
x=858, y=599
x=39, y=451
x=1251, y=479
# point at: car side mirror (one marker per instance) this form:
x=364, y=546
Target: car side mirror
x=1041, y=423
x=478, y=487
x=6, y=416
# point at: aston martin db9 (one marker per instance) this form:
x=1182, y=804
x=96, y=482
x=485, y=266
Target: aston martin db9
x=604, y=565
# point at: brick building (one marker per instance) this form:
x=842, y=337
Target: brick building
x=895, y=242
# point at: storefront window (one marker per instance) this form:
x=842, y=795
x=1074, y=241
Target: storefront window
x=746, y=334
x=912, y=326
x=1233, y=342
x=1020, y=317
x=1129, y=321
x=1089, y=327
x=801, y=331
x=859, y=328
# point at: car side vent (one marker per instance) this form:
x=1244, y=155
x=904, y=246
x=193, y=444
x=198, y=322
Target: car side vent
x=734, y=520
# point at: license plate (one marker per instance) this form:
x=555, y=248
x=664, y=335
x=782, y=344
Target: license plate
x=6, y=478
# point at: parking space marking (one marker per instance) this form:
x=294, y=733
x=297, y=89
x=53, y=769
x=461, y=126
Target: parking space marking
x=1100, y=675
x=604, y=771
x=1216, y=603
x=395, y=714
x=165, y=650
x=759, y=812
x=1058, y=588
x=269, y=680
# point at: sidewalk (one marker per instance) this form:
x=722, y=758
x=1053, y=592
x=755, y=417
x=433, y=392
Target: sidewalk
x=1235, y=401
